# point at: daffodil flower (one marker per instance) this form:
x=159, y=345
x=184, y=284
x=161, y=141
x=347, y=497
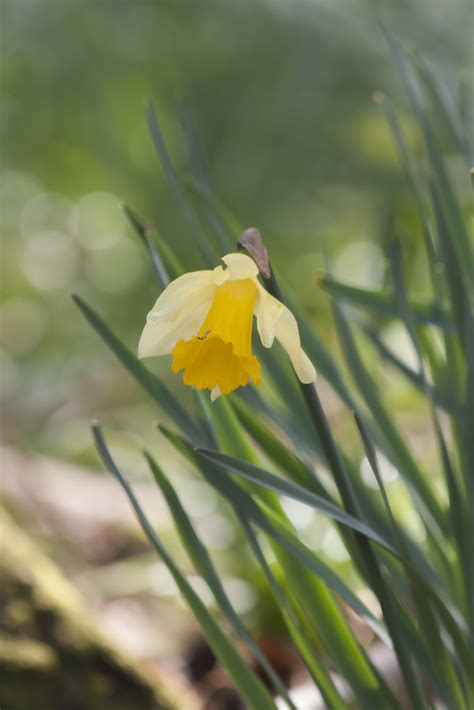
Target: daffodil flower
x=205, y=319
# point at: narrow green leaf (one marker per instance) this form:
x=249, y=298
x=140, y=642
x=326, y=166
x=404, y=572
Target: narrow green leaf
x=153, y=387
x=202, y=561
x=145, y=231
x=371, y=513
x=233, y=226
x=251, y=688
x=450, y=689
x=394, y=443
x=267, y=521
x=244, y=503
x=444, y=109
x=339, y=641
x=165, y=262
x=384, y=303
x=311, y=593
x=459, y=237
x=455, y=509
x=454, y=624
x=297, y=470
x=175, y=184
x=413, y=178
x=440, y=398
x=226, y=241
x=319, y=674
x=467, y=461
x=274, y=447
x=284, y=536
x=230, y=434
x=292, y=490
x=451, y=267
x=441, y=259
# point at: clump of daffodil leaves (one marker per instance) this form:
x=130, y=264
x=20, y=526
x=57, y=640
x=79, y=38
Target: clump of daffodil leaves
x=205, y=320
x=422, y=581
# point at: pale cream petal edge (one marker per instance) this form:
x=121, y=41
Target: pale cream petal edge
x=160, y=337
x=267, y=311
x=178, y=312
x=240, y=266
x=183, y=289
x=275, y=320
x=171, y=301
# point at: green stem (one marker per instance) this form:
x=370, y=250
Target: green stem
x=349, y=500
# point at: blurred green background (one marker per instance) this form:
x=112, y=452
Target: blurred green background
x=278, y=95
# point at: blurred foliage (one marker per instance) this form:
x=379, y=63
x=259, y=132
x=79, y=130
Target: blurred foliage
x=279, y=96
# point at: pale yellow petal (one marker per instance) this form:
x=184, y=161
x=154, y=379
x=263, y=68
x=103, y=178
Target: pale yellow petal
x=240, y=266
x=180, y=293
x=267, y=311
x=178, y=313
x=220, y=275
x=287, y=334
x=275, y=320
x=160, y=336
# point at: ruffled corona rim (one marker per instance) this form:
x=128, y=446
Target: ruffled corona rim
x=205, y=320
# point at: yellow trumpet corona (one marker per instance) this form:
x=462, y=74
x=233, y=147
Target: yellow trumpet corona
x=205, y=319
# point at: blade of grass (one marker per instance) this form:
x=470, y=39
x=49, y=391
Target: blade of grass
x=413, y=377
x=202, y=561
x=229, y=434
x=196, y=161
x=311, y=593
x=152, y=386
x=408, y=166
x=251, y=688
x=450, y=688
x=229, y=220
x=176, y=187
x=383, y=593
x=443, y=107
x=298, y=472
x=243, y=503
x=323, y=613
x=274, y=447
x=145, y=231
x=452, y=215
x=396, y=447
x=270, y=524
x=350, y=502
x=159, y=245
x=438, y=269
x=322, y=679
x=383, y=303
x=288, y=488
x=454, y=624
x=455, y=509
x=451, y=267
x=468, y=464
